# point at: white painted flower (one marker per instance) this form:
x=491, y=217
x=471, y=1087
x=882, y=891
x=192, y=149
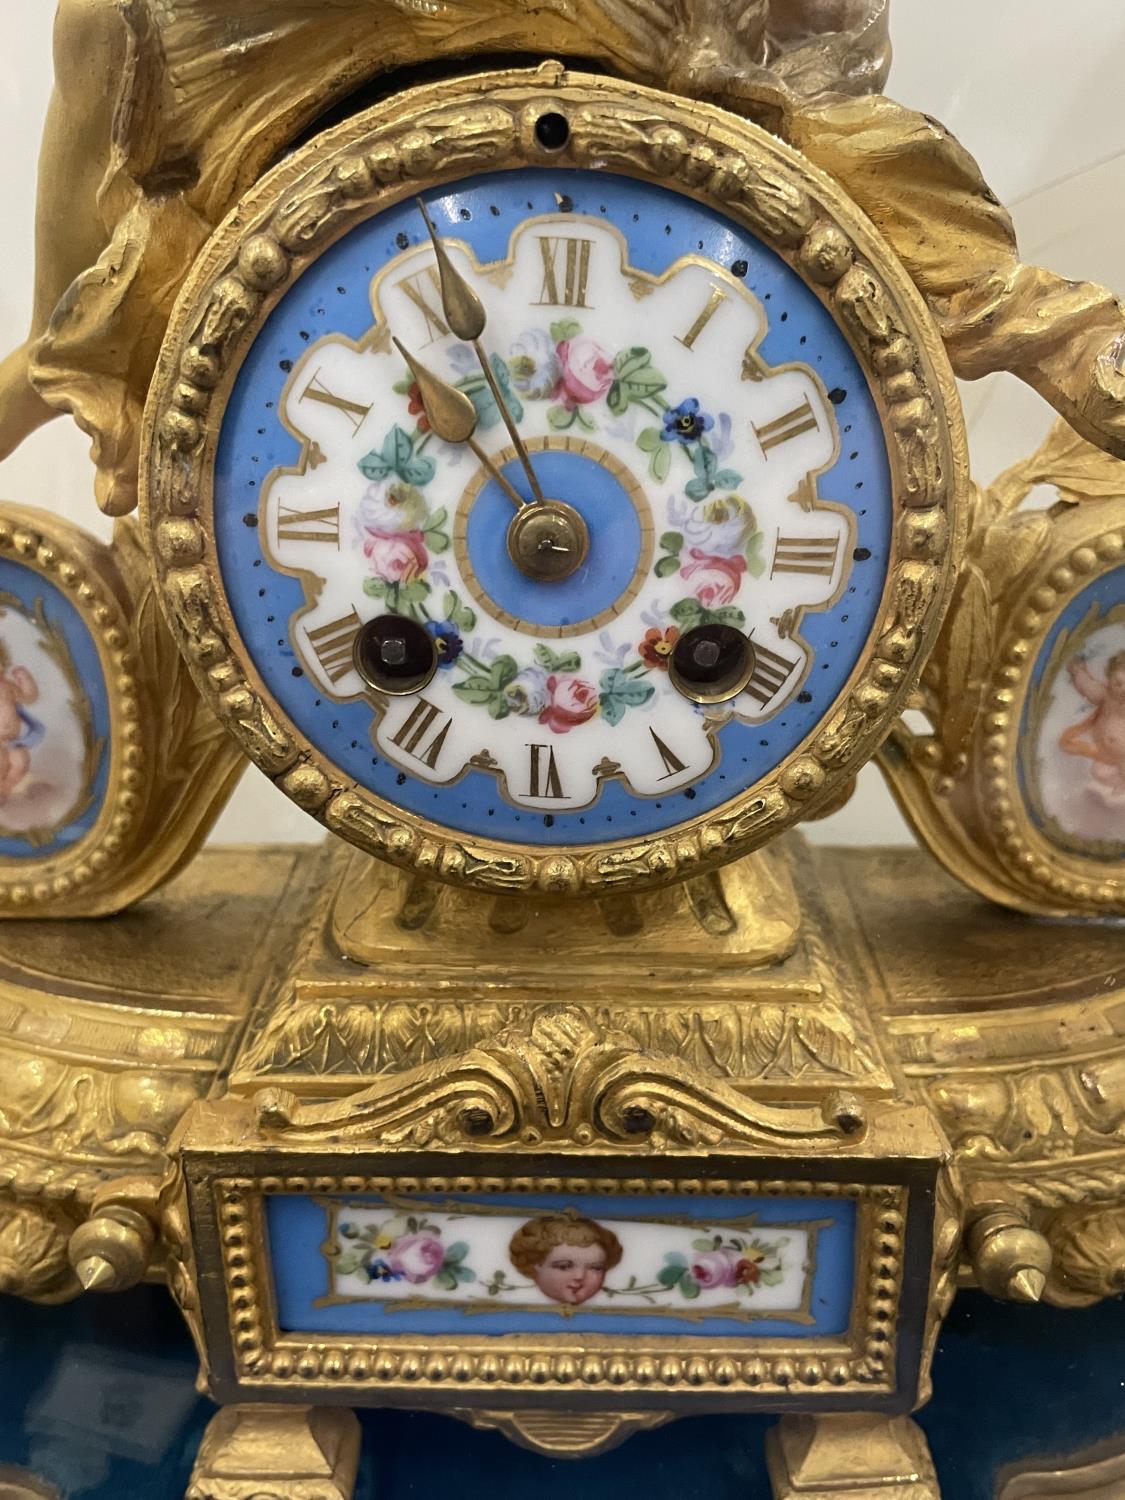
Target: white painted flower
x=528, y=693
x=392, y=506
x=535, y=364
x=721, y=527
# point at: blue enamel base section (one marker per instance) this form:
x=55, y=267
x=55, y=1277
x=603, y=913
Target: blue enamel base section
x=1107, y=592
x=30, y=588
x=332, y=296
x=603, y=503
x=298, y=1226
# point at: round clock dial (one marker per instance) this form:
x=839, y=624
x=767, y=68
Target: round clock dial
x=557, y=510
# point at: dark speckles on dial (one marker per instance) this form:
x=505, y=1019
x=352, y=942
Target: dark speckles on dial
x=333, y=295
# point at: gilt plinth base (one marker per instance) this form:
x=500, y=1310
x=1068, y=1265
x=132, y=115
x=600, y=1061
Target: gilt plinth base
x=747, y=976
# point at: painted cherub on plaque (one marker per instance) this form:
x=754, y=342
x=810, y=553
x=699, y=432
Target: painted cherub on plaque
x=1073, y=748
x=51, y=747
x=561, y=1259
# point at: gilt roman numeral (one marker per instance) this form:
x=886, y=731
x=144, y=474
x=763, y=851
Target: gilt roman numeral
x=784, y=429
x=419, y=726
x=673, y=765
x=308, y=525
x=424, y=290
x=355, y=411
x=333, y=644
x=543, y=773
x=805, y=554
x=770, y=674
x=714, y=302
x=566, y=271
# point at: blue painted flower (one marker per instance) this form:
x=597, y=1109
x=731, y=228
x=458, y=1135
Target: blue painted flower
x=379, y=1270
x=686, y=423
x=449, y=643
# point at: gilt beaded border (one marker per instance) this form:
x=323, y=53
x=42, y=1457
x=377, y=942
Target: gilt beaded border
x=448, y=131
x=1029, y=857
x=863, y=1360
x=29, y=882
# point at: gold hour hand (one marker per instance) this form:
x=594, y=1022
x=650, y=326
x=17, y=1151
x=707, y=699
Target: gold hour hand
x=463, y=309
x=453, y=417
x=465, y=314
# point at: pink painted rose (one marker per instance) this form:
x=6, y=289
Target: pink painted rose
x=396, y=557
x=417, y=1257
x=570, y=701
x=714, y=1268
x=587, y=372
x=715, y=581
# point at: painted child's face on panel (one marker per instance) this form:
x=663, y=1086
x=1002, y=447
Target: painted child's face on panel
x=571, y=1273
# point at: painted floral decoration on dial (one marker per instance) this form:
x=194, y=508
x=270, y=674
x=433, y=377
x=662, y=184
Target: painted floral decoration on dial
x=560, y=407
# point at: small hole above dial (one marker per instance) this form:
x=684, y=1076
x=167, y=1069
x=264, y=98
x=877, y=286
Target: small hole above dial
x=552, y=131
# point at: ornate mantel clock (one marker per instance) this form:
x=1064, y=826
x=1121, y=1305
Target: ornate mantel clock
x=556, y=485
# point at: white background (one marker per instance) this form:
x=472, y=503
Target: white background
x=1031, y=87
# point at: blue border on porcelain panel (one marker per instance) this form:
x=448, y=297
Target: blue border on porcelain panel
x=1106, y=592
x=28, y=586
x=332, y=295
x=297, y=1226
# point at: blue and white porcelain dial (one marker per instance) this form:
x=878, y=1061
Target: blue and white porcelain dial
x=553, y=483
x=671, y=380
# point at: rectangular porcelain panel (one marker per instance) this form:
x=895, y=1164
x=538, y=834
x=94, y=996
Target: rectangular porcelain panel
x=532, y=1263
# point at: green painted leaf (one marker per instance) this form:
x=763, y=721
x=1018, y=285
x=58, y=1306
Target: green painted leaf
x=701, y=1244
x=671, y=541
x=727, y=479
x=413, y=593
x=772, y=1278
x=618, y=398
x=689, y=1287
x=437, y=541
x=449, y=604
x=374, y=588
x=436, y=521
x=645, y=386
x=631, y=362
x=687, y=613
x=560, y=418
x=565, y=328
x=456, y=1252
x=661, y=464
x=670, y=1275
x=755, y=559
x=476, y=689
x=504, y=669
x=373, y=467
x=727, y=615
x=697, y=489
x=620, y=691
x=650, y=441
x=675, y=1258
x=398, y=448
x=418, y=471
x=447, y=1280
x=350, y=1261
x=584, y=421
x=463, y=1274
x=557, y=661
x=667, y=566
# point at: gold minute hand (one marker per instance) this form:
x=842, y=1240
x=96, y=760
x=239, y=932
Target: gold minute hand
x=453, y=418
x=465, y=314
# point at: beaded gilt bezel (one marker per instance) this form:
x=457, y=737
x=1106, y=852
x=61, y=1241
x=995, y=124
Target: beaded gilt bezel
x=435, y=135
